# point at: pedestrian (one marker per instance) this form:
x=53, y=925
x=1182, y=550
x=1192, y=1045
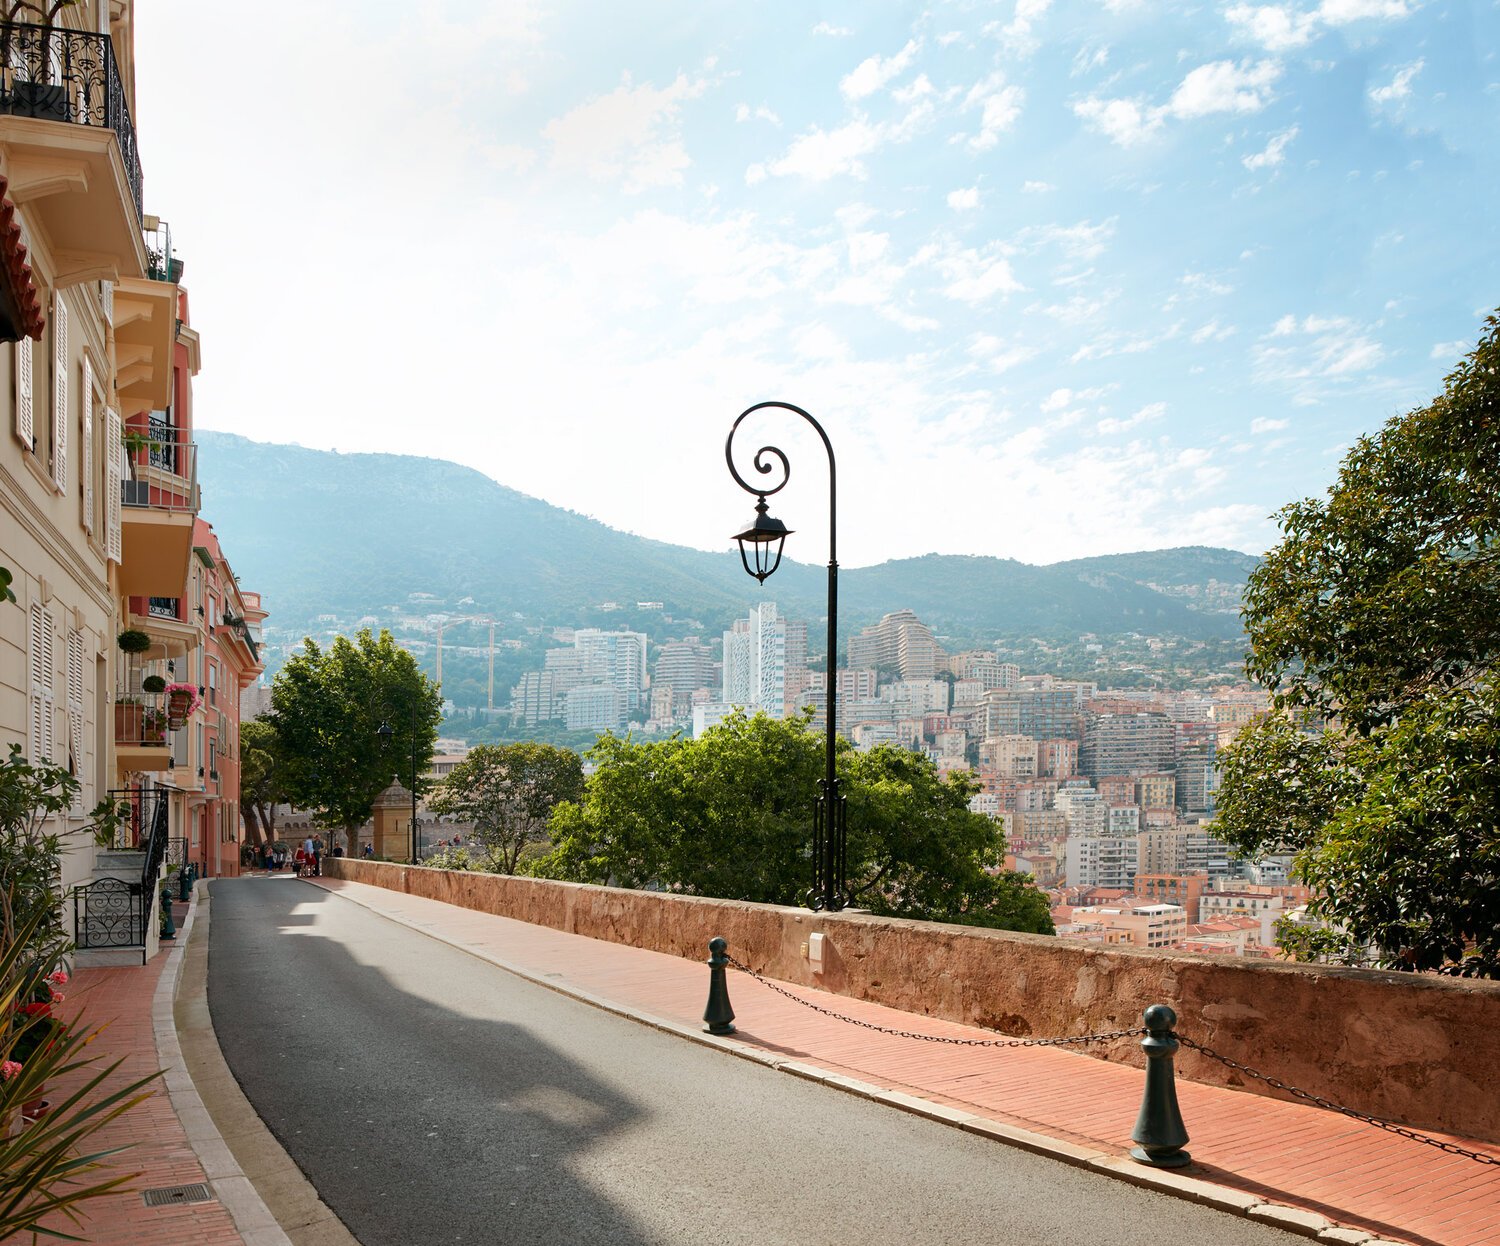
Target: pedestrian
x=270, y=858
x=280, y=857
x=300, y=859
x=369, y=850
x=317, y=859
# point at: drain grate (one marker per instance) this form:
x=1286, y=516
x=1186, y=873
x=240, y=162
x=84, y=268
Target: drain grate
x=177, y=1195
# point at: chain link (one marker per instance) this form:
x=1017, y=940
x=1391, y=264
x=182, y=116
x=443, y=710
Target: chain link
x=935, y=1038
x=1307, y=1096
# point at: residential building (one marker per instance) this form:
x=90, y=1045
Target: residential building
x=765, y=662
x=98, y=490
x=1125, y=744
x=595, y=707
x=900, y=642
x=1154, y=926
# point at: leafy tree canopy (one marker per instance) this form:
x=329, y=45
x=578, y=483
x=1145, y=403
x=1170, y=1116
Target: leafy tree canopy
x=507, y=793
x=730, y=815
x=261, y=774
x=327, y=708
x=1376, y=625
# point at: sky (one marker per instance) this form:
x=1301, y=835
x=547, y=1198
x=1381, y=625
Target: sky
x=1058, y=279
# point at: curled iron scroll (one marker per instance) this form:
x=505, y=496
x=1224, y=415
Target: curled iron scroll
x=766, y=458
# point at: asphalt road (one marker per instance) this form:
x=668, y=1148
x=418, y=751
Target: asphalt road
x=432, y=1098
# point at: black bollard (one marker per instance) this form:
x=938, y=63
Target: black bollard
x=718, y=1015
x=168, y=928
x=1159, y=1129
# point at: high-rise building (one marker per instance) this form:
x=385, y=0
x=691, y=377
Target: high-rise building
x=899, y=642
x=765, y=656
x=684, y=666
x=615, y=660
x=1125, y=744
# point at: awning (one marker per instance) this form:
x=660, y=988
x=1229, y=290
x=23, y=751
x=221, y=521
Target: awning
x=20, y=311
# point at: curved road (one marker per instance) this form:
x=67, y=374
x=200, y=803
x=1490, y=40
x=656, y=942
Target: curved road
x=433, y=1098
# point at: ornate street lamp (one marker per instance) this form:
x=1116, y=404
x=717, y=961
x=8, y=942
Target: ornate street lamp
x=765, y=538
x=384, y=732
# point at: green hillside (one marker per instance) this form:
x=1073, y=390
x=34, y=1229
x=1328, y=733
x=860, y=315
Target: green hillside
x=320, y=533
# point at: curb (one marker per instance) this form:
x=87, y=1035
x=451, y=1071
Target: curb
x=1248, y=1206
x=252, y=1218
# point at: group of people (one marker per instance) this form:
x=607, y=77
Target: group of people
x=306, y=859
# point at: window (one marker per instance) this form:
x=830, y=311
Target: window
x=59, y=393
x=75, y=717
x=25, y=384
x=213, y=682
x=41, y=703
x=86, y=444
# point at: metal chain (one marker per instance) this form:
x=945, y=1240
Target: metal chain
x=935, y=1038
x=1318, y=1101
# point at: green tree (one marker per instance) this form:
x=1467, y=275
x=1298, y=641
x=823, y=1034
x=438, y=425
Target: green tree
x=1375, y=623
x=507, y=793
x=261, y=774
x=730, y=814
x=327, y=709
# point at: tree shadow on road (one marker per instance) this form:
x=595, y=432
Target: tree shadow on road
x=417, y=1120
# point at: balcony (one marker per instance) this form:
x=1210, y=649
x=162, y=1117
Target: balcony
x=141, y=734
x=70, y=149
x=159, y=502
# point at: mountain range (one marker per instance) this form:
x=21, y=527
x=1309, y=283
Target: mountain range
x=320, y=533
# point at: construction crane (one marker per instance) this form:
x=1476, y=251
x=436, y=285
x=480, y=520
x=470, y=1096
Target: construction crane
x=469, y=618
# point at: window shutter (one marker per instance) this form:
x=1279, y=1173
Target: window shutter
x=113, y=449
x=25, y=428
x=41, y=696
x=59, y=393
x=107, y=301
x=75, y=715
x=86, y=419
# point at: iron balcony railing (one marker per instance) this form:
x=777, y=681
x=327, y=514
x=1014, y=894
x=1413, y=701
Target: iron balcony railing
x=162, y=263
x=70, y=76
x=160, y=471
x=162, y=607
x=141, y=723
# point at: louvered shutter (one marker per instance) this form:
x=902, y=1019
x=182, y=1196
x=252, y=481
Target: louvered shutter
x=25, y=425
x=75, y=716
x=86, y=420
x=113, y=449
x=41, y=684
x=60, y=393
x=107, y=301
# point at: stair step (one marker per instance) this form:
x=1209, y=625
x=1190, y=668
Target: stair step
x=107, y=957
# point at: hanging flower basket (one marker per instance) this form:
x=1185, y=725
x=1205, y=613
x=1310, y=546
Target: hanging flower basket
x=182, y=700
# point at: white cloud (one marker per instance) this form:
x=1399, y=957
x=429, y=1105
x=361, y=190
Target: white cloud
x=998, y=356
x=1283, y=27
x=978, y=276
x=1273, y=153
x=632, y=135
x=1036, y=188
x=828, y=28
x=1213, y=331
x=1122, y=121
x=1017, y=33
x=1261, y=425
x=1083, y=241
x=1223, y=86
x=744, y=113
x=1399, y=87
x=1151, y=411
x=1087, y=59
x=1316, y=354
x=999, y=105
x=1449, y=350
x=964, y=200
x=875, y=71
x=821, y=154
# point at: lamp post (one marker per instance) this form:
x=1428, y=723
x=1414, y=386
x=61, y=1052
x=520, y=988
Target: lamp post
x=766, y=536
x=384, y=732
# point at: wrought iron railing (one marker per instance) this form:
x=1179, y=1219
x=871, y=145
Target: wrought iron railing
x=162, y=607
x=144, y=808
x=156, y=844
x=54, y=74
x=161, y=470
x=177, y=851
x=110, y=913
x=162, y=263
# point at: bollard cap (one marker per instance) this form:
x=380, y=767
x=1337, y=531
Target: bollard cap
x=718, y=946
x=1160, y=1017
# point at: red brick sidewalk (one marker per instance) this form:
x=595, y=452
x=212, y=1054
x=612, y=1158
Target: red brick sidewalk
x=121, y=1001
x=1257, y=1152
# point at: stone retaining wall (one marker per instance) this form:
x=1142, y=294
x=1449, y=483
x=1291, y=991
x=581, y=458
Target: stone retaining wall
x=1417, y=1049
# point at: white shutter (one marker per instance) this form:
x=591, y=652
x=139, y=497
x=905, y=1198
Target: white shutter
x=59, y=393
x=75, y=715
x=25, y=427
x=107, y=301
x=113, y=449
x=42, y=707
x=86, y=420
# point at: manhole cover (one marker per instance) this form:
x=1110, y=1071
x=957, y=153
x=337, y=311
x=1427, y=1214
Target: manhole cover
x=173, y=1195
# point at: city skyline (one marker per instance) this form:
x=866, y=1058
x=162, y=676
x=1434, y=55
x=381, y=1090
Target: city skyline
x=1100, y=278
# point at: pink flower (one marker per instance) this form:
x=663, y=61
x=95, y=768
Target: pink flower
x=58, y=977
x=9, y=1070
x=58, y=997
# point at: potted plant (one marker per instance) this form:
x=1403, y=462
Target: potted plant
x=133, y=640
x=153, y=684
x=182, y=699
x=154, y=726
